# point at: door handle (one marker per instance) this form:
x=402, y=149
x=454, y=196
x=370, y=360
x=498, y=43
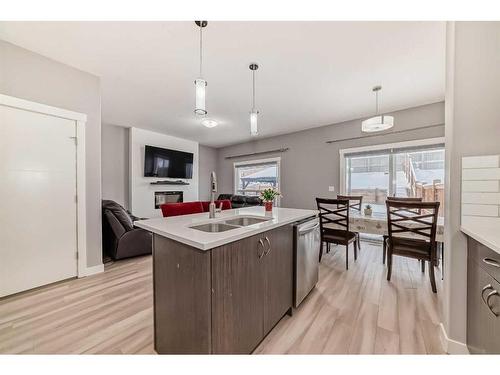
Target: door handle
x=491, y=294
x=263, y=248
x=486, y=287
x=268, y=244
x=491, y=262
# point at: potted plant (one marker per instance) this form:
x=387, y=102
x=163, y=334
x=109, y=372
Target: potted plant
x=368, y=210
x=268, y=195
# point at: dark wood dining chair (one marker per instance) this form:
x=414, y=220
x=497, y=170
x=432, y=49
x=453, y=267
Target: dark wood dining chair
x=355, y=203
x=384, y=244
x=412, y=233
x=335, y=212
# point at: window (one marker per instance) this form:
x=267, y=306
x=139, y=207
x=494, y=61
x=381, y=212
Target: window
x=251, y=177
x=406, y=169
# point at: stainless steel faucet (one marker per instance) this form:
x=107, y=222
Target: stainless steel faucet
x=211, y=206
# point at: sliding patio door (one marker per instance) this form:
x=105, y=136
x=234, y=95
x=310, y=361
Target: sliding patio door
x=397, y=170
x=369, y=176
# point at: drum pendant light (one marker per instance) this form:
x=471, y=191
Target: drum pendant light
x=378, y=122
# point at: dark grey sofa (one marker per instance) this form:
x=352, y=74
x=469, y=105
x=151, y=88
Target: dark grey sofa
x=119, y=236
x=238, y=201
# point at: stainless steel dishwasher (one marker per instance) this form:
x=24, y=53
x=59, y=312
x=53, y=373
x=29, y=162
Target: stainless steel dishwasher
x=306, y=251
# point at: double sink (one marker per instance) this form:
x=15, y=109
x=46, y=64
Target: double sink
x=229, y=224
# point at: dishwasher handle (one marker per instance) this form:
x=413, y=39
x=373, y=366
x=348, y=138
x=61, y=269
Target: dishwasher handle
x=307, y=230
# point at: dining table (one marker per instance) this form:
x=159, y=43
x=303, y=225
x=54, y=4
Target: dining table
x=376, y=224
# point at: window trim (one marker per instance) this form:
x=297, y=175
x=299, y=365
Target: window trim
x=386, y=146
x=276, y=160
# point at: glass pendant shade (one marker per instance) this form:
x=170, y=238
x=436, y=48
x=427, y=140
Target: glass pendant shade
x=254, y=114
x=200, y=85
x=377, y=123
x=253, y=122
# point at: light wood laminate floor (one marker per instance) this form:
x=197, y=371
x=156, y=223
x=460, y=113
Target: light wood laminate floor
x=355, y=311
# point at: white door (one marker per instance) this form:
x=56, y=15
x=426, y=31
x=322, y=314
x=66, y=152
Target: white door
x=38, y=212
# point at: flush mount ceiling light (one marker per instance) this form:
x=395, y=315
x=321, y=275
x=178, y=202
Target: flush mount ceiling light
x=209, y=123
x=254, y=114
x=379, y=122
x=200, y=83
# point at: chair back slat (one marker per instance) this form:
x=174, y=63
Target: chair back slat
x=333, y=211
x=412, y=219
x=406, y=199
x=355, y=201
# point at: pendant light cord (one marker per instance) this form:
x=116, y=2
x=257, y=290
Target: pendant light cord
x=201, y=50
x=253, y=90
x=376, y=102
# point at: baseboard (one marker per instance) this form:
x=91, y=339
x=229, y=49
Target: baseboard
x=452, y=346
x=88, y=271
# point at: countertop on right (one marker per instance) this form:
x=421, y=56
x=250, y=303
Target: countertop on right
x=485, y=230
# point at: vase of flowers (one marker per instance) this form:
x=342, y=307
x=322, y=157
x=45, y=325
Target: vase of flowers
x=368, y=210
x=268, y=196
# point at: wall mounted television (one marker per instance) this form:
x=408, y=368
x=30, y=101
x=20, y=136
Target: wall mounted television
x=163, y=162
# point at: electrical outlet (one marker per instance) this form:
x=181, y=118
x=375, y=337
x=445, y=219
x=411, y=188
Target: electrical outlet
x=331, y=188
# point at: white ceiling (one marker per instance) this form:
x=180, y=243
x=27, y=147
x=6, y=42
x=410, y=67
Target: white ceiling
x=311, y=73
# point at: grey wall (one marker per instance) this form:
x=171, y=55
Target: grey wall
x=208, y=163
x=115, y=163
x=472, y=128
x=311, y=165
x=30, y=76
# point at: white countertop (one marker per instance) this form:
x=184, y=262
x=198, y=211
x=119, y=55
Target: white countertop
x=485, y=230
x=178, y=227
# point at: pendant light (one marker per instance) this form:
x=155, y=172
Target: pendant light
x=378, y=122
x=200, y=83
x=254, y=114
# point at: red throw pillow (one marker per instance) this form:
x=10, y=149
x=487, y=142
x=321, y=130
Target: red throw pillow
x=185, y=208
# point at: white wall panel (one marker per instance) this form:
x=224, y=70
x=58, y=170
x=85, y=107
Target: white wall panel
x=490, y=161
x=479, y=210
x=486, y=174
x=481, y=186
x=481, y=198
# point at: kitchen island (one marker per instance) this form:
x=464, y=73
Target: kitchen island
x=221, y=285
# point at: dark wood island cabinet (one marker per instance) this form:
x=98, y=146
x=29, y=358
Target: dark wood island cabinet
x=483, y=299
x=224, y=300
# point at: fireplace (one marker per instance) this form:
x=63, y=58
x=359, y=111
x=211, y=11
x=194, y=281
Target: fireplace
x=162, y=197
